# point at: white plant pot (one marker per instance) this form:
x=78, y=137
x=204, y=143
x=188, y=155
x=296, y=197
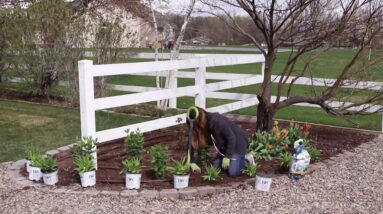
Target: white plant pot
x=181, y=181
x=262, y=183
x=50, y=178
x=28, y=165
x=34, y=173
x=133, y=181
x=88, y=179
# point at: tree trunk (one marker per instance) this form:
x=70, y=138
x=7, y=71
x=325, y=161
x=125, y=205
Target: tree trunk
x=265, y=115
x=265, y=110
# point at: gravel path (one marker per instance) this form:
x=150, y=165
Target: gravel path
x=353, y=184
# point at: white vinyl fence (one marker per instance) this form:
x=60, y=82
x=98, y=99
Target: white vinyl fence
x=201, y=90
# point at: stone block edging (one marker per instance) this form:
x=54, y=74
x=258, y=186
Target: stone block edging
x=13, y=172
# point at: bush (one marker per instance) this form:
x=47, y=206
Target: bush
x=134, y=142
x=159, y=159
x=85, y=146
x=211, y=174
x=84, y=164
x=48, y=165
x=132, y=166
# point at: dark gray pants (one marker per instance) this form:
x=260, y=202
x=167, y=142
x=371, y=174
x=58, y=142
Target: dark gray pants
x=237, y=164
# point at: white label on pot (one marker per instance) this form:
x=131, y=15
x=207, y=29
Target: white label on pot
x=262, y=183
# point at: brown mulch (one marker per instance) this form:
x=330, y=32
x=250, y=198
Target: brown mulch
x=331, y=141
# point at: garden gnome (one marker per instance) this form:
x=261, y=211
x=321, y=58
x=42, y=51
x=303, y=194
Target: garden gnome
x=301, y=161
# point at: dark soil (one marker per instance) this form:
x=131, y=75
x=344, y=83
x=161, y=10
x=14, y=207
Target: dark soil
x=330, y=141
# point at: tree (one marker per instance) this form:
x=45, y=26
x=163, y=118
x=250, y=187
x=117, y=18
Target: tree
x=307, y=27
x=172, y=76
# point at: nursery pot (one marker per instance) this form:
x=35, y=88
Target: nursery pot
x=50, y=178
x=181, y=181
x=88, y=178
x=133, y=181
x=34, y=173
x=263, y=182
x=28, y=165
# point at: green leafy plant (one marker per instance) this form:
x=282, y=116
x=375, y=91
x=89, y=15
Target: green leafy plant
x=84, y=164
x=32, y=152
x=266, y=146
x=134, y=142
x=181, y=167
x=132, y=166
x=251, y=170
x=48, y=164
x=315, y=153
x=85, y=146
x=204, y=158
x=212, y=173
x=159, y=158
x=286, y=159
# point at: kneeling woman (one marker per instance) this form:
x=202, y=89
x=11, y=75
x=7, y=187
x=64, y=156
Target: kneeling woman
x=229, y=140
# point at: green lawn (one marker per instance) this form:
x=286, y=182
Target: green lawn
x=48, y=127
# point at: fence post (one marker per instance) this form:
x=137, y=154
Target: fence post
x=87, y=110
x=173, y=85
x=200, y=81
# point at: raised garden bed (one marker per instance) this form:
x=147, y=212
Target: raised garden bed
x=330, y=140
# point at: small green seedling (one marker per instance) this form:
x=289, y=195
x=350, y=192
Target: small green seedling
x=181, y=167
x=212, y=173
x=314, y=153
x=286, y=159
x=251, y=170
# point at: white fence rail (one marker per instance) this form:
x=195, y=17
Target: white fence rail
x=89, y=104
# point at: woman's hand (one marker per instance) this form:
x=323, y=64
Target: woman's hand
x=225, y=163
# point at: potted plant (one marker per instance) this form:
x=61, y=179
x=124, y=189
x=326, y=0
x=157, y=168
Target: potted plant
x=180, y=173
x=86, y=168
x=132, y=169
x=211, y=174
x=49, y=170
x=159, y=158
x=34, y=173
x=87, y=146
x=31, y=153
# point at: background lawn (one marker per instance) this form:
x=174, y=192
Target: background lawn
x=48, y=127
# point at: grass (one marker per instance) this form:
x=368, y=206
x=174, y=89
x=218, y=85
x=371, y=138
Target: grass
x=48, y=127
